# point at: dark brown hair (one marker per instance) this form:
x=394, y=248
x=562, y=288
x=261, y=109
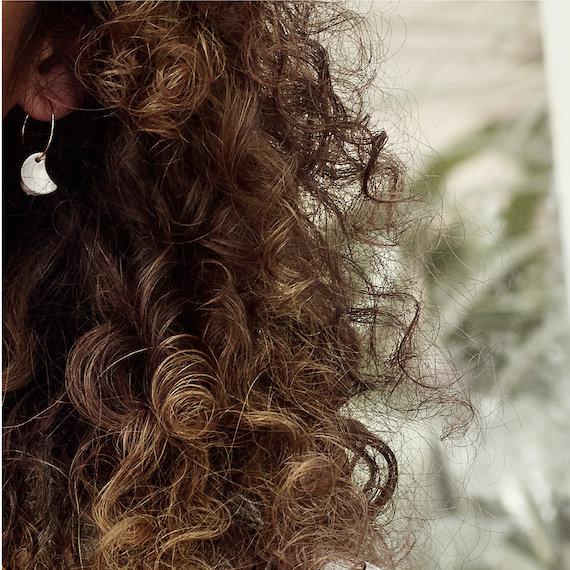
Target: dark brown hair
x=187, y=316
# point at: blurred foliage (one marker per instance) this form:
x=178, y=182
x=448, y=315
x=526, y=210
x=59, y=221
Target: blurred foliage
x=494, y=272
x=495, y=286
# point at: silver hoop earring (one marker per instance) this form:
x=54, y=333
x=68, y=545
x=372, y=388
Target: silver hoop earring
x=35, y=180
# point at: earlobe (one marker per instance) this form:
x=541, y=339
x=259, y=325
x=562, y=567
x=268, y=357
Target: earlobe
x=52, y=87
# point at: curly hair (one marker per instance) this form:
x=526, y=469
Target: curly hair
x=186, y=318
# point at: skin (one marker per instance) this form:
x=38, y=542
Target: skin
x=13, y=18
x=54, y=89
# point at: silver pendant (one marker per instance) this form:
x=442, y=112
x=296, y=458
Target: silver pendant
x=35, y=179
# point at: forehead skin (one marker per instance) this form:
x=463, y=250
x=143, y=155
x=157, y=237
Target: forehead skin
x=13, y=16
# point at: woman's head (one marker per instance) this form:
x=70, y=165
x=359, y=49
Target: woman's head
x=187, y=315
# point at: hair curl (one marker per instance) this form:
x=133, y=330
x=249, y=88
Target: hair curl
x=187, y=316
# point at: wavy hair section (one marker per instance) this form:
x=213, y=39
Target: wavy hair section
x=189, y=315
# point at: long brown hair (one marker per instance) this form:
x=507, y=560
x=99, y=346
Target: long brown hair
x=187, y=316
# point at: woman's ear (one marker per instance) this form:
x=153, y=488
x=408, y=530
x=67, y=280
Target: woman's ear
x=51, y=87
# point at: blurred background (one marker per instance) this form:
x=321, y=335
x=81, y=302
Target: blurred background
x=470, y=80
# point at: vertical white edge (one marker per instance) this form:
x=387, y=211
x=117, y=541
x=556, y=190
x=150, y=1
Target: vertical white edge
x=555, y=21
